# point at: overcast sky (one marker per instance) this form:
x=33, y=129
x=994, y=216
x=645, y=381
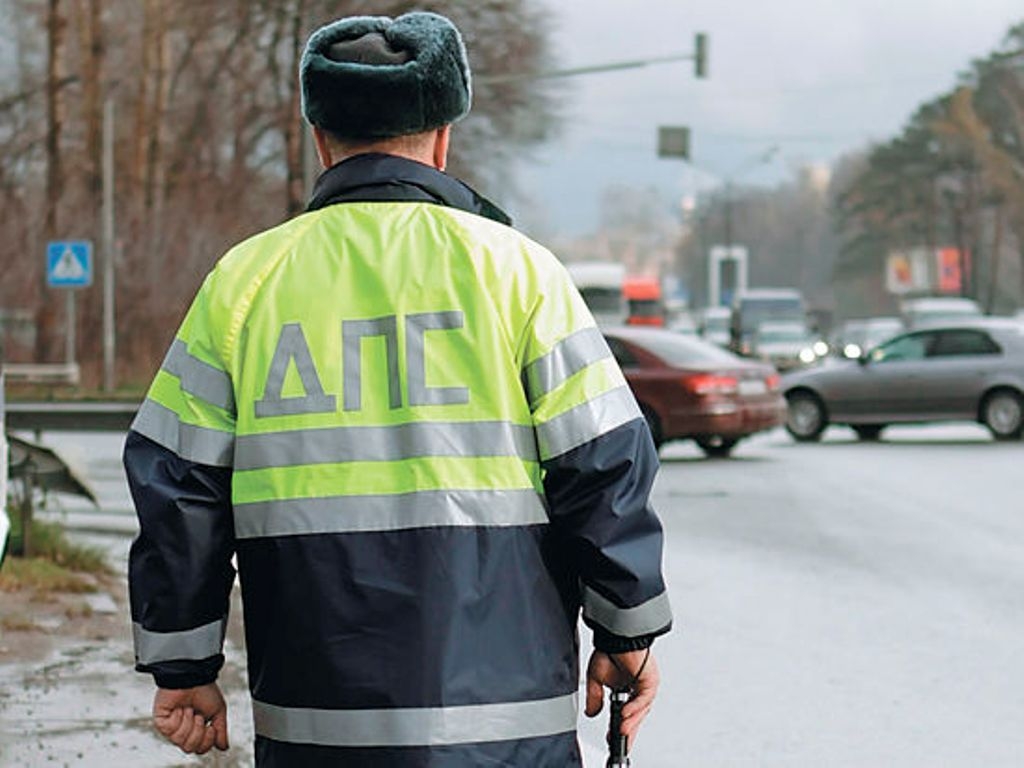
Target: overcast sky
x=813, y=77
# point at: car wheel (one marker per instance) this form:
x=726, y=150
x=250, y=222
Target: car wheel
x=869, y=433
x=1003, y=414
x=653, y=424
x=717, y=447
x=805, y=417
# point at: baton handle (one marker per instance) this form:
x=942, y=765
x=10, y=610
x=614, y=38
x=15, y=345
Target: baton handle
x=618, y=743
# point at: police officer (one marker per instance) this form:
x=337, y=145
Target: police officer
x=398, y=415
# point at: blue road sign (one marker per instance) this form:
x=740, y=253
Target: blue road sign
x=69, y=264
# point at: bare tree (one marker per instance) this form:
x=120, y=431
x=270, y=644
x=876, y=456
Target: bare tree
x=210, y=145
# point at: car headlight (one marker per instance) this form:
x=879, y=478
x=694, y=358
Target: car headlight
x=820, y=348
x=807, y=355
x=852, y=351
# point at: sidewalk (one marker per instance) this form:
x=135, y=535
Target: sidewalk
x=70, y=697
x=68, y=693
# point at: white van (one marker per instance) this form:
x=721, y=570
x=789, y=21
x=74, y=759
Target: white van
x=754, y=306
x=938, y=309
x=601, y=285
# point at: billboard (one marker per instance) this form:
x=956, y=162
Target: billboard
x=951, y=266
x=907, y=271
x=923, y=270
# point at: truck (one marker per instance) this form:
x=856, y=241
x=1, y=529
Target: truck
x=643, y=295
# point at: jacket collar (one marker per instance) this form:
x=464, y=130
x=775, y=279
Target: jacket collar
x=378, y=178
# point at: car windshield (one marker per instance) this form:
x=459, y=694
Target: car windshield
x=754, y=312
x=602, y=299
x=781, y=334
x=875, y=335
x=682, y=351
x=945, y=313
x=644, y=307
x=912, y=347
x=716, y=324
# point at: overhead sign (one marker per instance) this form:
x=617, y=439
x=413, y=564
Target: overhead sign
x=69, y=264
x=674, y=141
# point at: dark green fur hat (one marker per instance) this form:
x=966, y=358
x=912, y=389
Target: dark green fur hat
x=372, y=77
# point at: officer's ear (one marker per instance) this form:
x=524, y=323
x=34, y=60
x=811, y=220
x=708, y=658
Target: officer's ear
x=441, y=140
x=323, y=147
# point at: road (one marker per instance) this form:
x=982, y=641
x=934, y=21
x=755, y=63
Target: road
x=838, y=604
x=843, y=604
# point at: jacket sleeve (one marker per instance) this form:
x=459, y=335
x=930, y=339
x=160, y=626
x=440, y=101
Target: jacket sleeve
x=178, y=459
x=599, y=464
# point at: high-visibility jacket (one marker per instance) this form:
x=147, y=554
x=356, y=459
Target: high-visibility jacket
x=397, y=412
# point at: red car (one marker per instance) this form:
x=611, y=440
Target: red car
x=690, y=389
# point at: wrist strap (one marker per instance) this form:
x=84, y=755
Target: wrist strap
x=631, y=687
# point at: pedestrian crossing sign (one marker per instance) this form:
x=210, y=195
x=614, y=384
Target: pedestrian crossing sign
x=69, y=264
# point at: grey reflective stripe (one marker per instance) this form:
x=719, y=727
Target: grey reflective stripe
x=401, y=441
x=641, y=619
x=199, y=643
x=352, y=334
x=198, y=444
x=586, y=422
x=409, y=727
x=390, y=512
x=199, y=378
x=568, y=357
x=416, y=327
x=292, y=345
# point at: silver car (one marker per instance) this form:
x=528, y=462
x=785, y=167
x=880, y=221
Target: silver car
x=967, y=371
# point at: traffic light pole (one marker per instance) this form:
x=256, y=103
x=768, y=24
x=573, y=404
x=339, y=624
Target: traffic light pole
x=699, y=57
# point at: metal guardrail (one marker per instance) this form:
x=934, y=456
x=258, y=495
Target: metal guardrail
x=71, y=417
x=43, y=373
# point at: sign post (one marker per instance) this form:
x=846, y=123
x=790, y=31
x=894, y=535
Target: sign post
x=69, y=266
x=719, y=255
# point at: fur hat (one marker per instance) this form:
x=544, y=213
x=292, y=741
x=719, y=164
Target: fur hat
x=372, y=77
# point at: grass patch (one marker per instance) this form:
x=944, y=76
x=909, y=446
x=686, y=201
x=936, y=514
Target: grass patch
x=17, y=624
x=50, y=542
x=41, y=575
x=55, y=564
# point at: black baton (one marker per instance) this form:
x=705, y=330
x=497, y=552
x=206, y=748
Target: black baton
x=617, y=743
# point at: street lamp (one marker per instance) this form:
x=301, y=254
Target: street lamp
x=719, y=255
x=765, y=156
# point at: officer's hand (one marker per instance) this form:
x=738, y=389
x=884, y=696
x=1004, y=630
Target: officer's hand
x=602, y=673
x=194, y=719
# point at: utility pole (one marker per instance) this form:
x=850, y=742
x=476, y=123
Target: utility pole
x=109, y=334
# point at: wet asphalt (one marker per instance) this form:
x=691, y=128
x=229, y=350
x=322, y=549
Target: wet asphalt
x=838, y=604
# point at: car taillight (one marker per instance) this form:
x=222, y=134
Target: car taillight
x=711, y=384
x=773, y=382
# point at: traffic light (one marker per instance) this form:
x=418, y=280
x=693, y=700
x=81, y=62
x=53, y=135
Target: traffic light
x=700, y=56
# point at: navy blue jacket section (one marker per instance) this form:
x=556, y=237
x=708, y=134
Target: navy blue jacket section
x=179, y=570
x=426, y=617
x=598, y=497
x=559, y=751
